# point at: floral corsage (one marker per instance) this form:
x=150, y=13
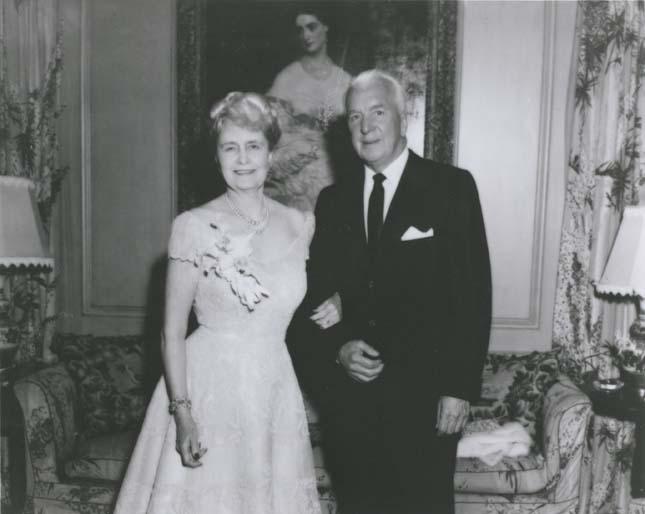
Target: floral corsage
x=228, y=259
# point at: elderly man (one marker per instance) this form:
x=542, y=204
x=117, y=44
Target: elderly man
x=401, y=240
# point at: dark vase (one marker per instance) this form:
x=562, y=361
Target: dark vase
x=634, y=379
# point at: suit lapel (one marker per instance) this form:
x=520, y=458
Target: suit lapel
x=354, y=207
x=403, y=209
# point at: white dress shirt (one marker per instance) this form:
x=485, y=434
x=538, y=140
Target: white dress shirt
x=392, y=177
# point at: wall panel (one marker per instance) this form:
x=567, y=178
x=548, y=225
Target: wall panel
x=514, y=81
x=126, y=147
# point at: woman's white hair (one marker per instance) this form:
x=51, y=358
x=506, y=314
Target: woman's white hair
x=375, y=75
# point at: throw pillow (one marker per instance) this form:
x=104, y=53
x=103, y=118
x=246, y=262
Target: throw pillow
x=108, y=372
x=513, y=389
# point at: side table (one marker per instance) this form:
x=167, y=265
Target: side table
x=12, y=445
x=618, y=448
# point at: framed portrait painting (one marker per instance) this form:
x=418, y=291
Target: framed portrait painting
x=262, y=46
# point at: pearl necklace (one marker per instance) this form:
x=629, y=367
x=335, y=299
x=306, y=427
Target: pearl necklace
x=256, y=225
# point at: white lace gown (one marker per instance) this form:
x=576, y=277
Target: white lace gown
x=245, y=397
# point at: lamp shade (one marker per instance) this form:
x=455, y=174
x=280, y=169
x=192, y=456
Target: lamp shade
x=23, y=242
x=624, y=272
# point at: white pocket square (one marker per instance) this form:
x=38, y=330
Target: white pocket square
x=413, y=233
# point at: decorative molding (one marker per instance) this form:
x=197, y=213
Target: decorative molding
x=441, y=76
x=89, y=306
x=459, y=73
x=86, y=163
x=190, y=45
x=542, y=173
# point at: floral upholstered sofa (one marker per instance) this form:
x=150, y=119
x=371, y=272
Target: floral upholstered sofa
x=81, y=419
x=554, y=478
x=82, y=415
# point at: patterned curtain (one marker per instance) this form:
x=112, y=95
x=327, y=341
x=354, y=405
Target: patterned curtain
x=605, y=171
x=30, y=76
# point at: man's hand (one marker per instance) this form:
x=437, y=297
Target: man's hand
x=360, y=360
x=452, y=414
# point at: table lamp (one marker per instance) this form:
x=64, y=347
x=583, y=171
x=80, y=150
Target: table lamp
x=624, y=275
x=23, y=247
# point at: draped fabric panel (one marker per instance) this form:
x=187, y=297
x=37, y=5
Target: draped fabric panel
x=37, y=24
x=605, y=172
x=30, y=74
x=29, y=29
x=612, y=447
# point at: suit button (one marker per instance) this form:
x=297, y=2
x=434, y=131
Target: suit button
x=372, y=323
x=371, y=284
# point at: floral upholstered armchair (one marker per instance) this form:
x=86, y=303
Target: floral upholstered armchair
x=554, y=477
x=81, y=419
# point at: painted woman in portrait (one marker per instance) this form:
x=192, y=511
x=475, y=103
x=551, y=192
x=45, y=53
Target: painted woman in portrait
x=309, y=95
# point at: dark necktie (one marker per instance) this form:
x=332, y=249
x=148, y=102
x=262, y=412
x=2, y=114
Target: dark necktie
x=375, y=211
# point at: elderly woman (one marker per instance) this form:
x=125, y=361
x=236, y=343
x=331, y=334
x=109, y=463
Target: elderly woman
x=226, y=430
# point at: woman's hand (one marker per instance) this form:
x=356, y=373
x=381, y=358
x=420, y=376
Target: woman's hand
x=328, y=313
x=188, y=445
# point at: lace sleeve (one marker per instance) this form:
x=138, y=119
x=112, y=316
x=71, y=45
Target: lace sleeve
x=184, y=239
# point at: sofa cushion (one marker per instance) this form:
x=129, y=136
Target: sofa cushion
x=513, y=389
x=520, y=475
x=108, y=373
x=103, y=457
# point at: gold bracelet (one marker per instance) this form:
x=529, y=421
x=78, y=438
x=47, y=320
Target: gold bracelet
x=179, y=402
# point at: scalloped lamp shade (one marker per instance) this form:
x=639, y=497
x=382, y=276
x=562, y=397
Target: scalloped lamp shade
x=23, y=242
x=624, y=273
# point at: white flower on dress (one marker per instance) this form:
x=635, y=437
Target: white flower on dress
x=228, y=258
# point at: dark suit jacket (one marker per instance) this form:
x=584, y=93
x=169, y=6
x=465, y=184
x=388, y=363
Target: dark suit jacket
x=424, y=304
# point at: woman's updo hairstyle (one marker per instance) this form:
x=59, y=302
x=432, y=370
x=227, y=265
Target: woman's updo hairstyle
x=250, y=111
x=316, y=9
